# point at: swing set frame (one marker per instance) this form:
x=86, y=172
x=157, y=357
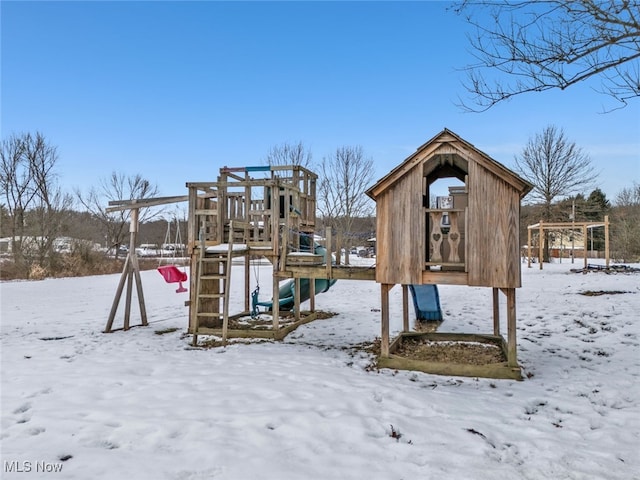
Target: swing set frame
x=131, y=270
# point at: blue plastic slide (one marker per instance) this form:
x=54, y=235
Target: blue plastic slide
x=426, y=302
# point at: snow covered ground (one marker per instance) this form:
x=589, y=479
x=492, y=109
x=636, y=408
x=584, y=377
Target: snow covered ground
x=138, y=405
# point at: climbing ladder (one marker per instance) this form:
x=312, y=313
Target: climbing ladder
x=213, y=279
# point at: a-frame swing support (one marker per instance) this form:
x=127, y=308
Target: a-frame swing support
x=130, y=275
x=131, y=270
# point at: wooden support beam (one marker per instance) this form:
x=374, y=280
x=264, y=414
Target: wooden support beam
x=130, y=273
x=384, y=307
x=328, y=260
x=405, y=308
x=606, y=240
x=247, y=280
x=584, y=245
x=512, y=353
x=528, y=248
x=496, y=312
x=275, y=307
x=312, y=294
x=541, y=246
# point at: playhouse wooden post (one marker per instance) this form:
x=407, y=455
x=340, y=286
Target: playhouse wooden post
x=512, y=353
x=405, y=308
x=384, y=307
x=496, y=312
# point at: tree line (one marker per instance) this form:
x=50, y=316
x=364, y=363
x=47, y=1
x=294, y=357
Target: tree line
x=35, y=207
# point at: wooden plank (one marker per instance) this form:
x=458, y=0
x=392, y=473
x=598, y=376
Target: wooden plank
x=445, y=278
x=606, y=240
x=320, y=271
x=565, y=225
x=405, y=308
x=384, y=334
x=120, y=205
x=496, y=311
x=493, y=231
x=512, y=354
x=400, y=232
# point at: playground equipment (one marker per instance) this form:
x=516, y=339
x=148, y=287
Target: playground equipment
x=573, y=226
x=173, y=274
x=470, y=238
x=287, y=291
x=426, y=302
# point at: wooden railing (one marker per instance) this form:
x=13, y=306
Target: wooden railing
x=446, y=241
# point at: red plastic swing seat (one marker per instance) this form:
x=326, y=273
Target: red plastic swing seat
x=172, y=274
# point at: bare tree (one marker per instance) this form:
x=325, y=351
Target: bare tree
x=29, y=187
x=17, y=188
x=556, y=167
x=551, y=44
x=289, y=154
x=626, y=224
x=117, y=187
x=344, y=177
x=52, y=205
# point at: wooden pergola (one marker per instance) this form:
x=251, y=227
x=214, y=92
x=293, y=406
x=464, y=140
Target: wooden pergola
x=583, y=226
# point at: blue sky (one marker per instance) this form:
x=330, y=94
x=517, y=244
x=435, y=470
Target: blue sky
x=176, y=90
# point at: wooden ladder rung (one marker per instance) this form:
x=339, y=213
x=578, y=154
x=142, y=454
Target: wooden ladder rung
x=210, y=314
x=211, y=295
x=210, y=258
x=213, y=276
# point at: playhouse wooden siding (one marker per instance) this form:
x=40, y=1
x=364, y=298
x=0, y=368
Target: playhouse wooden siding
x=400, y=233
x=492, y=250
x=493, y=230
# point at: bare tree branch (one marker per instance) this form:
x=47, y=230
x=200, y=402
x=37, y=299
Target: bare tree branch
x=289, y=154
x=551, y=44
x=117, y=187
x=344, y=177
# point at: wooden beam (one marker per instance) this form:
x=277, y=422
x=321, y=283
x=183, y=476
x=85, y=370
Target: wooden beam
x=496, y=312
x=606, y=240
x=384, y=304
x=512, y=353
x=405, y=308
x=584, y=245
x=540, y=246
x=119, y=205
x=130, y=274
x=528, y=248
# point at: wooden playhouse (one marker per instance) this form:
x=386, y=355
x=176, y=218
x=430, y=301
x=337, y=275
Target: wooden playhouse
x=469, y=237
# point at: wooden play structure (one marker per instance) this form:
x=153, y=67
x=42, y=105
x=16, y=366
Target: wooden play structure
x=583, y=227
x=469, y=239
x=255, y=212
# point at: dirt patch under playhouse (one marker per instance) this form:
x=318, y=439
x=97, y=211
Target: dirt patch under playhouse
x=468, y=353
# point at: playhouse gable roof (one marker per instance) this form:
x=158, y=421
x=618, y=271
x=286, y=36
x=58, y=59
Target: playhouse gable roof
x=447, y=143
